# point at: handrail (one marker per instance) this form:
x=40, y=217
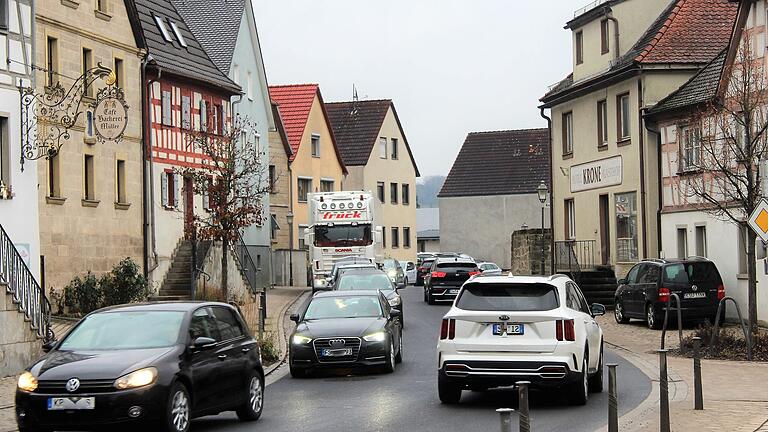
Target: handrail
x=679, y=321
x=26, y=292
x=716, y=330
x=250, y=265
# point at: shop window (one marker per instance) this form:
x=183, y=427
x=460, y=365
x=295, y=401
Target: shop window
x=626, y=227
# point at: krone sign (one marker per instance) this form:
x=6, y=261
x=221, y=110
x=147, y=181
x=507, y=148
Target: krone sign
x=597, y=174
x=110, y=114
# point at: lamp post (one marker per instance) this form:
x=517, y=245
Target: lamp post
x=542, y=192
x=289, y=219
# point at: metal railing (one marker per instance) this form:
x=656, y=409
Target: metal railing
x=247, y=264
x=575, y=255
x=581, y=11
x=29, y=297
x=716, y=330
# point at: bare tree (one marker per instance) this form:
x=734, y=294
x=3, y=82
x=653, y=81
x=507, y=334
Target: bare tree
x=725, y=146
x=232, y=179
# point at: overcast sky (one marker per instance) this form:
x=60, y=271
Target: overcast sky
x=450, y=66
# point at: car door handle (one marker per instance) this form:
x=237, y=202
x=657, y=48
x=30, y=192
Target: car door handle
x=222, y=356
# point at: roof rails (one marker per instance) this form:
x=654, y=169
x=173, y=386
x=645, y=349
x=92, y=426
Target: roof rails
x=655, y=260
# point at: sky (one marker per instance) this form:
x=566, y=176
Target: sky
x=450, y=66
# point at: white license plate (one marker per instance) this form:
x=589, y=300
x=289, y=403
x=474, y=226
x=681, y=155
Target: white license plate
x=337, y=352
x=71, y=403
x=694, y=295
x=512, y=329
x=453, y=291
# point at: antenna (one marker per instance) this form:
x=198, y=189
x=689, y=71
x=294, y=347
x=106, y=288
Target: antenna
x=355, y=99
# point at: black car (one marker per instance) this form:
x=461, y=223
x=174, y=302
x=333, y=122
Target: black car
x=648, y=287
x=155, y=365
x=446, y=276
x=372, y=279
x=423, y=268
x=346, y=329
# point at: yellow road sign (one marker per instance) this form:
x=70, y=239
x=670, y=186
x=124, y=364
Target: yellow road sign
x=758, y=221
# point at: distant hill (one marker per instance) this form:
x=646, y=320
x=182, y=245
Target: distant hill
x=427, y=189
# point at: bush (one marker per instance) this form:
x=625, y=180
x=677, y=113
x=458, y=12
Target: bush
x=729, y=345
x=124, y=284
x=270, y=352
x=83, y=295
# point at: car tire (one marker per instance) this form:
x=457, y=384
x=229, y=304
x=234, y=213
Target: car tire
x=619, y=313
x=254, y=405
x=297, y=372
x=426, y=299
x=431, y=299
x=390, y=366
x=178, y=412
x=652, y=318
x=579, y=391
x=596, y=380
x=399, y=356
x=449, y=393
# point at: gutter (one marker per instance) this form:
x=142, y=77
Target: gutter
x=146, y=115
x=642, y=166
x=551, y=192
x=660, y=191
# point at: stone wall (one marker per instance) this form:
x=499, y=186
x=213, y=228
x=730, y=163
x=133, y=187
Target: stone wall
x=527, y=251
x=19, y=344
x=238, y=289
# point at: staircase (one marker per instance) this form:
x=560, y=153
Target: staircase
x=598, y=285
x=178, y=281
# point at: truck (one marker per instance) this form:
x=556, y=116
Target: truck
x=341, y=224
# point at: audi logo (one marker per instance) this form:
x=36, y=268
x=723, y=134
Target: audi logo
x=337, y=343
x=72, y=385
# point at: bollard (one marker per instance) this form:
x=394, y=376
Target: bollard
x=613, y=400
x=506, y=419
x=664, y=392
x=698, y=392
x=525, y=419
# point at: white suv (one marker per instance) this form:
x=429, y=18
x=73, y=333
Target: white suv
x=505, y=329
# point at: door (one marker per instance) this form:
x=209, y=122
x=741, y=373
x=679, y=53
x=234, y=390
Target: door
x=629, y=293
x=233, y=354
x=605, y=230
x=204, y=364
x=592, y=328
x=189, y=207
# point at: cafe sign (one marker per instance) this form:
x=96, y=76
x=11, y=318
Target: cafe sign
x=110, y=114
x=597, y=174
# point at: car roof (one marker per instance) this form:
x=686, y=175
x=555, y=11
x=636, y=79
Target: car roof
x=456, y=259
x=181, y=306
x=350, y=293
x=358, y=266
x=660, y=261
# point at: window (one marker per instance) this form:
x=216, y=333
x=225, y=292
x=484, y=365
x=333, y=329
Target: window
x=570, y=220
x=742, y=245
x=203, y=115
x=383, y=148
x=326, y=185
x=170, y=186
x=302, y=244
x=691, y=148
x=88, y=180
x=380, y=191
x=605, y=32
x=166, y=101
x=626, y=227
x=602, y=123
x=315, y=145
x=186, y=112
x=272, y=178
x=101, y=6
x=406, y=237
x=504, y=297
x=87, y=64
x=406, y=198
x=5, y=152
x=384, y=237
x=3, y=14
x=682, y=242
x=623, y=117
x=739, y=132
x=52, y=60
x=568, y=133
x=394, y=148
x=229, y=326
x=249, y=86
x=89, y=125
x=120, y=182
x=207, y=193
x=304, y=188
x=701, y=240
x=119, y=71
x=54, y=185
x=579, y=48
x=395, y=237
x=163, y=29
x=393, y=193
x=178, y=34
x=274, y=227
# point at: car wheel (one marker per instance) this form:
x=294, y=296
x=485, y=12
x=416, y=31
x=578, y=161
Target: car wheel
x=297, y=373
x=653, y=321
x=619, y=314
x=399, y=356
x=449, y=393
x=179, y=410
x=431, y=299
x=596, y=380
x=390, y=366
x=251, y=411
x=580, y=389
x=426, y=299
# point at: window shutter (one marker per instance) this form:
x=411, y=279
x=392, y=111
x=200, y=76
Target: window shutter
x=203, y=115
x=185, y=112
x=206, y=196
x=176, y=190
x=164, y=189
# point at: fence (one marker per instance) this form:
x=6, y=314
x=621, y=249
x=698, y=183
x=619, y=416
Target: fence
x=575, y=255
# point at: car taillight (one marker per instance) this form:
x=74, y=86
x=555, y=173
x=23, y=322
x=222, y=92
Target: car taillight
x=451, y=329
x=565, y=330
x=448, y=329
x=474, y=273
x=438, y=274
x=720, y=292
x=664, y=295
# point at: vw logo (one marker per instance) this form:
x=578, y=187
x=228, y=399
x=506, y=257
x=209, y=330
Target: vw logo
x=504, y=318
x=72, y=385
x=695, y=288
x=337, y=343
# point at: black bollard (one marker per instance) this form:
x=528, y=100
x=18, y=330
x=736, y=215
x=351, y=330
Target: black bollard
x=525, y=419
x=698, y=403
x=613, y=400
x=664, y=392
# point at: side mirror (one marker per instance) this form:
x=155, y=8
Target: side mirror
x=295, y=318
x=394, y=313
x=203, y=343
x=48, y=346
x=597, y=309
x=622, y=282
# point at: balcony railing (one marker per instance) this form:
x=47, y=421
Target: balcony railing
x=575, y=255
x=581, y=11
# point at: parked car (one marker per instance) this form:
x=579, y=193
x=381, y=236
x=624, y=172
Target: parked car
x=371, y=279
x=423, y=269
x=646, y=291
x=446, y=276
x=504, y=329
x=489, y=269
x=421, y=256
x=394, y=271
x=161, y=364
x=410, y=271
x=346, y=329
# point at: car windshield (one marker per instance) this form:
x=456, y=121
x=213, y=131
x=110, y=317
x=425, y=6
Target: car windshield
x=389, y=264
x=125, y=330
x=508, y=297
x=685, y=273
x=343, y=307
x=370, y=281
x=343, y=235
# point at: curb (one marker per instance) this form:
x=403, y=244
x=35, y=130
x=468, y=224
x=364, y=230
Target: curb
x=282, y=335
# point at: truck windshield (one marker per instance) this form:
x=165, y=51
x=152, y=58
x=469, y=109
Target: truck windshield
x=342, y=235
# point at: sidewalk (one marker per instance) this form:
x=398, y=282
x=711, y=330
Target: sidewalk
x=735, y=393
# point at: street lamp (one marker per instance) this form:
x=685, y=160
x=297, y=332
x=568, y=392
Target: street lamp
x=289, y=219
x=542, y=192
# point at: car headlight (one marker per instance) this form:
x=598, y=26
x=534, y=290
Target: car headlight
x=376, y=337
x=301, y=340
x=27, y=382
x=139, y=378
x=394, y=301
x=392, y=273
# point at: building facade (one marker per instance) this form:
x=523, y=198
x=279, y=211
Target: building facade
x=280, y=180
x=378, y=157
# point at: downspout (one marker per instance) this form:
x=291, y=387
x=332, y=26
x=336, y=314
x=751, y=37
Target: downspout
x=660, y=191
x=148, y=152
x=551, y=193
x=642, y=166
x=144, y=218
x=616, y=50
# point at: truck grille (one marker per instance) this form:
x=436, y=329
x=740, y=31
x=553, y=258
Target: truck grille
x=325, y=343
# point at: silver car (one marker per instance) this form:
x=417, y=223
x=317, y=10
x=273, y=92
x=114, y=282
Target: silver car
x=409, y=267
x=489, y=269
x=394, y=271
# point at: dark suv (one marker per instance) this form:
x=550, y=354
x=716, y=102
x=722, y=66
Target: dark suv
x=422, y=270
x=649, y=285
x=446, y=276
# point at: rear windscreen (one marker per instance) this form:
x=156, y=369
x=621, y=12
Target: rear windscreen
x=508, y=297
x=457, y=266
x=685, y=273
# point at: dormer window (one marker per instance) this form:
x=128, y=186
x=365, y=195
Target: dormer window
x=163, y=28
x=605, y=44
x=176, y=32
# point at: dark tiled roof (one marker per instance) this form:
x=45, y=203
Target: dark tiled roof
x=499, y=163
x=191, y=62
x=216, y=23
x=356, y=126
x=700, y=89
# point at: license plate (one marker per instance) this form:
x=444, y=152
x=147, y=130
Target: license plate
x=694, y=295
x=511, y=329
x=336, y=352
x=71, y=403
x=453, y=291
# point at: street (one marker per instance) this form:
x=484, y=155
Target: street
x=407, y=399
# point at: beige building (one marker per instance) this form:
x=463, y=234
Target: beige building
x=90, y=193
x=605, y=159
x=376, y=152
x=280, y=179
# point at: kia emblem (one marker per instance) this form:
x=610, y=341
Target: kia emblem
x=504, y=318
x=72, y=385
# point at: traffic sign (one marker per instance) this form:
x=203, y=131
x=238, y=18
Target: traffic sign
x=758, y=221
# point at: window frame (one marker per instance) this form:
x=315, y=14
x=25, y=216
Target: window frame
x=307, y=181
x=393, y=193
x=405, y=194
x=314, y=144
x=602, y=124
x=381, y=192
x=579, y=42
x=383, y=147
x=567, y=129
x=623, y=135
x=394, y=150
x=605, y=34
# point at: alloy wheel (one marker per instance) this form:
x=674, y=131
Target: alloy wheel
x=256, y=394
x=618, y=312
x=180, y=411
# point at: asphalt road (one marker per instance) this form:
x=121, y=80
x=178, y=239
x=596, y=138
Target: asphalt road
x=407, y=399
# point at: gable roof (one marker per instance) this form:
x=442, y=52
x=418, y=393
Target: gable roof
x=190, y=62
x=499, y=163
x=216, y=24
x=701, y=88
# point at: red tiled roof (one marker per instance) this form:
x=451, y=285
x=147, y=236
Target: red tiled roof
x=295, y=102
x=695, y=31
